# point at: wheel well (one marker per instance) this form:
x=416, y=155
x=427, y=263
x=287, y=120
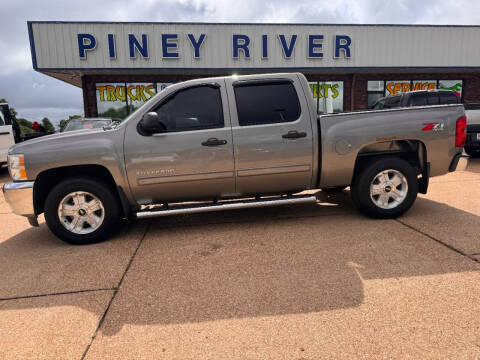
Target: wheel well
x=412, y=151
x=47, y=179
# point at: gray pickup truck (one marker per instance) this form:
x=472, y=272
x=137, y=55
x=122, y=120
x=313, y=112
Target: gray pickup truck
x=229, y=143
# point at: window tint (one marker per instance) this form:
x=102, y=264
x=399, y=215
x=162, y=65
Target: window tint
x=192, y=109
x=418, y=100
x=266, y=103
x=448, y=98
x=432, y=98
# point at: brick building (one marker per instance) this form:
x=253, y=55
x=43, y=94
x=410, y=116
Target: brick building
x=121, y=65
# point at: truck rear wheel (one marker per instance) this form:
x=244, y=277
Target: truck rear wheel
x=82, y=211
x=386, y=188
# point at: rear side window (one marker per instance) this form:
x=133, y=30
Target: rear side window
x=418, y=100
x=448, y=98
x=266, y=103
x=432, y=98
x=193, y=108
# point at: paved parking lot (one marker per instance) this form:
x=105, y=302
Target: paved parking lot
x=298, y=282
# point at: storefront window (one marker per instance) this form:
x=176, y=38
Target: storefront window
x=111, y=100
x=377, y=89
x=375, y=85
x=138, y=94
x=454, y=85
x=118, y=100
x=314, y=92
x=329, y=96
x=161, y=86
x=424, y=85
x=372, y=98
x=397, y=86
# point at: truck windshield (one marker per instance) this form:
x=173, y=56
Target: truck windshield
x=379, y=105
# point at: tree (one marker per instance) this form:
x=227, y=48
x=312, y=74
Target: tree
x=47, y=124
x=12, y=110
x=62, y=124
x=25, y=126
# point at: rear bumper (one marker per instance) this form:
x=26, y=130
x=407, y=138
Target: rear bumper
x=19, y=195
x=459, y=163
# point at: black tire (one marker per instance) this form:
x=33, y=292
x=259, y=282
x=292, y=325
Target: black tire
x=473, y=152
x=334, y=189
x=360, y=188
x=110, y=203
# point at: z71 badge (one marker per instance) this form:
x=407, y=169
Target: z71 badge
x=435, y=126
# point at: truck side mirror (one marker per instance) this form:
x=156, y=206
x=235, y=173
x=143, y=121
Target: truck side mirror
x=150, y=124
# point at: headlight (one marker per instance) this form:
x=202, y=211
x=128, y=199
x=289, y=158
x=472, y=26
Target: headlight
x=16, y=167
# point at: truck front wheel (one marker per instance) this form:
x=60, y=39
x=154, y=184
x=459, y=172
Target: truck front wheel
x=81, y=210
x=386, y=188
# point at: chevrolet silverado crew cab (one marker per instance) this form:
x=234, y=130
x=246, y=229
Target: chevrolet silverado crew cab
x=228, y=143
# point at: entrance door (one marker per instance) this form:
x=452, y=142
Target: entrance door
x=273, y=142
x=193, y=157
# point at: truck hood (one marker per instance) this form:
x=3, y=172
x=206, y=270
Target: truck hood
x=70, y=136
x=76, y=148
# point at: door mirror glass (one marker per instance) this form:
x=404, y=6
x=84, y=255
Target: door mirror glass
x=151, y=124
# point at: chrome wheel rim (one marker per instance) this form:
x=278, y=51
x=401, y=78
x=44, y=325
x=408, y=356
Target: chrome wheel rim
x=81, y=212
x=388, y=189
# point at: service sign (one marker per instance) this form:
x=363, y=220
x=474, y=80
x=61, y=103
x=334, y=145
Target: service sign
x=402, y=86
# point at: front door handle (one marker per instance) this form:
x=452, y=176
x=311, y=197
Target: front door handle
x=294, y=134
x=214, y=142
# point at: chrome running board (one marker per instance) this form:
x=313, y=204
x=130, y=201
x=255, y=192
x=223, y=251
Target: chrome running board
x=225, y=205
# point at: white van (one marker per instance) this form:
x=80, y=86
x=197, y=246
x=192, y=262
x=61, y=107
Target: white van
x=7, y=137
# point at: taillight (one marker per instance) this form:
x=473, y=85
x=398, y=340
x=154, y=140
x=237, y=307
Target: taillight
x=461, y=134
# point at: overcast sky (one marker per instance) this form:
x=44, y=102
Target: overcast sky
x=35, y=95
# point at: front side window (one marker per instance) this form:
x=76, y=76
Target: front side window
x=266, y=103
x=193, y=108
x=2, y=118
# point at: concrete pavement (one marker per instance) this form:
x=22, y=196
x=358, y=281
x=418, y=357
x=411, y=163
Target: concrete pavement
x=296, y=282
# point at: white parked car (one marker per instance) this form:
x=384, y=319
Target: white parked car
x=7, y=137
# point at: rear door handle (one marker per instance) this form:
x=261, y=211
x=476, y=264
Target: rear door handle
x=294, y=134
x=214, y=142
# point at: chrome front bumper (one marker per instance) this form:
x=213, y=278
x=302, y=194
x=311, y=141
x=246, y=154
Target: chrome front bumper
x=19, y=196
